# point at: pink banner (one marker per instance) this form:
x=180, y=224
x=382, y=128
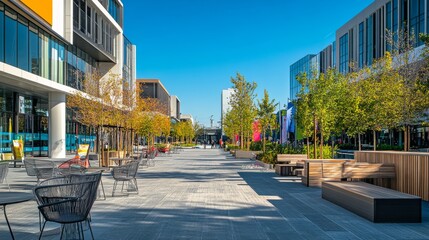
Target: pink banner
x=256, y=132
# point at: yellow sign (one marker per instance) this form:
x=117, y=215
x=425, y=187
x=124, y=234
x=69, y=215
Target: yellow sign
x=43, y=8
x=83, y=150
x=18, y=149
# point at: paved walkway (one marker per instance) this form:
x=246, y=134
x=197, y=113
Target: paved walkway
x=207, y=194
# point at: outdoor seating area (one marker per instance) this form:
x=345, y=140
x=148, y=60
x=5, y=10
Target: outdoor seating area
x=65, y=191
x=199, y=192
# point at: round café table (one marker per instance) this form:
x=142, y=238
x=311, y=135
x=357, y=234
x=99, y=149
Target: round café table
x=8, y=198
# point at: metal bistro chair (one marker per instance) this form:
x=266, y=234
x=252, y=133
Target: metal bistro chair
x=126, y=173
x=151, y=158
x=67, y=200
x=4, y=169
x=42, y=169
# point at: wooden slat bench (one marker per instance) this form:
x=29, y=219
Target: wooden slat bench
x=287, y=163
x=288, y=158
x=318, y=170
x=287, y=169
x=374, y=203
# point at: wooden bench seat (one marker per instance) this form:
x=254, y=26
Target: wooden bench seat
x=288, y=158
x=374, y=203
x=287, y=169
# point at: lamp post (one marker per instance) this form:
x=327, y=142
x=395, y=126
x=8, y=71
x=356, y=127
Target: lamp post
x=204, y=136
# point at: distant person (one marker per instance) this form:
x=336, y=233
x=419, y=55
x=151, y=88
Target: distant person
x=213, y=144
x=220, y=143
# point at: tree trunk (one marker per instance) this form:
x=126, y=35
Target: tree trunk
x=332, y=146
x=360, y=145
x=315, y=139
x=321, y=141
x=308, y=147
x=409, y=138
x=374, y=139
x=405, y=138
x=263, y=140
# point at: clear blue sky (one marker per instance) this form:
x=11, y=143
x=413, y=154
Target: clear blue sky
x=195, y=46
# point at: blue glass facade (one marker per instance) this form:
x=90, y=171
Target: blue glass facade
x=344, y=53
x=304, y=65
x=25, y=46
x=361, y=45
x=369, y=40
x=417, y=20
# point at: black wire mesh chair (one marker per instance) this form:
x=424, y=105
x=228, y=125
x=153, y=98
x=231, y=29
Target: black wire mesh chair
x=67, y=200
x=126, y=173
x=42, y=169
x=4, y=169
x=151, y=158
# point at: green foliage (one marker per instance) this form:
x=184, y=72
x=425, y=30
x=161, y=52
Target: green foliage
x=232, y=147
x=267, y=120
x=239, y=120
x=327, y=151
x=389, y=147
x=347, y=146
x=269, y=157
x=289, y=149
x=256, y=146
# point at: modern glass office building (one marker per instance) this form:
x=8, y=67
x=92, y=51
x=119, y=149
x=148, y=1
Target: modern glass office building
x=308, y=65
x=364, y=38
x=46, y=49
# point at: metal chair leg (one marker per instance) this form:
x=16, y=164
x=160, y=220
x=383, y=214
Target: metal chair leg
x=137, y=187
x=90, y=229
x=41, y=232
x=114, y=188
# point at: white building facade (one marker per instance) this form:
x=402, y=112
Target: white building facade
x=46, y=49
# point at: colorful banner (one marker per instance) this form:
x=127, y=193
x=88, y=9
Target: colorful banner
x=283, y=131
x=18, y=149
x=256, y=132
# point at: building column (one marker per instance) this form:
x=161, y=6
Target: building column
x=57, y=125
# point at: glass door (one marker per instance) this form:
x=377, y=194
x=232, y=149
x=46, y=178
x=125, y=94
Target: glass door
x=40, y=140
x=25, y=131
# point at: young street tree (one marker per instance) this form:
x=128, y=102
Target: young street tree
x=242, y=108
x=413, y=72
x=267, y=120
x=95, y=105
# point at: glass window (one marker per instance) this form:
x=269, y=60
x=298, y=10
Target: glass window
x=344, y=53
x=404, y=15
x=61, y=62
x=44, y=55
x=417, y=16
x=369, y=42
x=361, y=44
x=82, y=16
x=395, y=20
x=388, y=23
x=34, y=49
x=76, y=13
x=23, y=44
x=96, y=29
x=53, y=47
x=88, y=20
x=11, y=38
x=1, y=32
x=103, y=32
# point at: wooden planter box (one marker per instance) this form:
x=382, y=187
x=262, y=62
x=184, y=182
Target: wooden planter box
x=111, y=154
x=241, y=154
x=411, y=170
x=264, y=165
